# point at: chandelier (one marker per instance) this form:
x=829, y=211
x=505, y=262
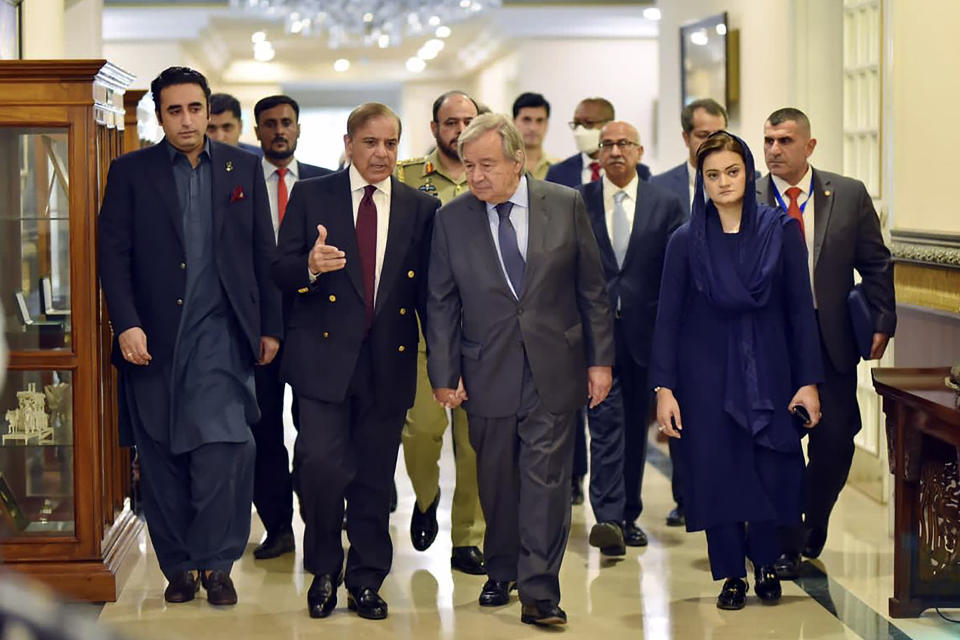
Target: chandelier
x=366, y=23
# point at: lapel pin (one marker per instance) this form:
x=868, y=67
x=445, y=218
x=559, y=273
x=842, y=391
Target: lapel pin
x=229, y=166
x=826, y=193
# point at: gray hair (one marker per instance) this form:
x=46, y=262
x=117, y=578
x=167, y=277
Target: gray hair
x=512, y=140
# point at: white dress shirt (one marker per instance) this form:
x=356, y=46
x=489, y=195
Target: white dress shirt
x=271, y=177
x=587, y=174
x=629, y=203
x=381, y=198
x=808, y=215
x=519, y=218
x=692, y=181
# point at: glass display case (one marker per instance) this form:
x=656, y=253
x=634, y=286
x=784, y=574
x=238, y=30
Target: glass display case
x=64, y=480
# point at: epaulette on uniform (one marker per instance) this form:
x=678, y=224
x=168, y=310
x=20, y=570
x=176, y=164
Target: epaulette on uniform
x=403, y=164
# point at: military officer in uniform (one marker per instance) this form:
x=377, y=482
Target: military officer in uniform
x=441, y=174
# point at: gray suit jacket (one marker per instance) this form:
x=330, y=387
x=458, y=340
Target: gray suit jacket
x=478, y=329
x=847, y=236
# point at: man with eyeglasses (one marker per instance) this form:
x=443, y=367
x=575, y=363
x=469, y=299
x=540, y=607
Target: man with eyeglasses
x=632, y=221
x=441, y=174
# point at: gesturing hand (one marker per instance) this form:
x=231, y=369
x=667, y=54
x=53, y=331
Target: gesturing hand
x=324, y=257
x=133, y=346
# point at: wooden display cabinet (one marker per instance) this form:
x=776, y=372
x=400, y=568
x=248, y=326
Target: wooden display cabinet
x=64, y=480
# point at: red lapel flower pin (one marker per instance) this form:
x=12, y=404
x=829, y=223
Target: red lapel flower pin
x=237, y=194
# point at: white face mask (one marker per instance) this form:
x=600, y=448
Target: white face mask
x=588, y=140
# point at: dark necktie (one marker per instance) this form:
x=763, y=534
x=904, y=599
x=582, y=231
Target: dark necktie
x=367, y=246
x=281, y=194
x=793, y=209
x=509, y=249
x=594, y=171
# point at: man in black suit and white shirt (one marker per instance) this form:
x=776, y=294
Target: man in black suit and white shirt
x=353, y=248
x=842, y=232
x=277, y=129
x=519, y=327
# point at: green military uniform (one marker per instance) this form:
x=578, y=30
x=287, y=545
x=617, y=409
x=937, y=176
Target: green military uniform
x=427, y=420
x=540, y=171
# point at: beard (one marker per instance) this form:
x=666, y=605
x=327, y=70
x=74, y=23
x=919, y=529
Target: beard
x=280, y=155
x=449, y=150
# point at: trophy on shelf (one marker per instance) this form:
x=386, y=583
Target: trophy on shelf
x=29, y=422
x=60, y=401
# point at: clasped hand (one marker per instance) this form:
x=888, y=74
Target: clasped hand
x=324, y=257
x=451, y=398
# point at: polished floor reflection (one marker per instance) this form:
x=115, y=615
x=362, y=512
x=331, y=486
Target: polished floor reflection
x=661, y=591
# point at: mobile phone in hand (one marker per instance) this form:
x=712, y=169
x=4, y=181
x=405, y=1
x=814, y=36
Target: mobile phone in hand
x=801, y=412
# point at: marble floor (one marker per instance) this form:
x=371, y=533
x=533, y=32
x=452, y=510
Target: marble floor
x=658, y=592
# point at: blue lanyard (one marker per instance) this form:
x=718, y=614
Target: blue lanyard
x=783, y=206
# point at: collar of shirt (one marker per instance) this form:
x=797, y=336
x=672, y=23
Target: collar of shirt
x=174, y=153
x=630, y=189
x=691, y=175
x=587, y=160
x=270, y=169
x=433, y=158
x=358, y=182
x=520, y=198
x=804, y=186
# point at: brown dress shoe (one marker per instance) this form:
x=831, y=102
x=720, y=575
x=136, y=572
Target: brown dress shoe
x=220, y=589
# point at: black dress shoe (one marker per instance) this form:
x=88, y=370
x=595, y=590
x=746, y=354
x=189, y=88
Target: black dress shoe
x=608, y=537
x=787, y=566
x=767, y=584
x=469, y=560
x=496, y=593
x=322, y=595
x=275, y=546
x=733, y=595
x=676, y=518
x=544, y=613
x=183, y=588
x=576, y=490
x=816, y=538
x=367, y=603
x=220, y=589
x=423, y=526
x=633, y=535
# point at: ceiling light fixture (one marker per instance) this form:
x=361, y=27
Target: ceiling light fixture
x=651, y=13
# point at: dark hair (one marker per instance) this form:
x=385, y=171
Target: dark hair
x=530, y=100
x=443, y=96
x=177, y=75
x=709, y=105
x=719, y=141
x=367, y=111
x=606, y=104
x=274, y=101
x=789, y=113
x=220, y=102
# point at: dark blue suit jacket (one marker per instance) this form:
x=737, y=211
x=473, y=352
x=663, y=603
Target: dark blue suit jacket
x=311, y=171
x=570, y=171
x=637, y=282
x=255, y=149
x=325, y=329
x=142, y=257
x=677, y=182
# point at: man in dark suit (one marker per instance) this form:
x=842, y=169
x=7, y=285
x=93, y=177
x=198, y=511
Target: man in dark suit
x=698, y=120
x=632, y=221
x=353, y=249
x=185, y=251
x=277, y=129
x=226, y=122
x=842, y=232
x=519, y=326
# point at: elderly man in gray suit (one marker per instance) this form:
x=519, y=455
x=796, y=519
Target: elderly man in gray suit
x=842, y=234
x=519, y=329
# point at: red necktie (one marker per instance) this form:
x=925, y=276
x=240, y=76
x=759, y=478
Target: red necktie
x=281, y=194
x=594, y=171
x=367, y=246
x=793, y=209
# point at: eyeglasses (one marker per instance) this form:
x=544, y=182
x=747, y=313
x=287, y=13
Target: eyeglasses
x=608, y=145
x=586, y=124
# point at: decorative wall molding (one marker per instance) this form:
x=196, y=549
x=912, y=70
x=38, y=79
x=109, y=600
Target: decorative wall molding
x=933, y=249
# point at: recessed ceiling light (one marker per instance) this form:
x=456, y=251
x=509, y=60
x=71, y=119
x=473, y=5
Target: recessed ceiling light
x=341, y=65
x=443, y=31
x=651, y=13
x=258, y=36
x=415, y=64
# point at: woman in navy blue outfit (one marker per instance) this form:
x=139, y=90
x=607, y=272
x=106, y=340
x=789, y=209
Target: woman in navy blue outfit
x=736, y=349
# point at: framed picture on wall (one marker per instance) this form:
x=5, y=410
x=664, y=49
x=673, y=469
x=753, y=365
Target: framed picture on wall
x=710, y=61
x=10, y=30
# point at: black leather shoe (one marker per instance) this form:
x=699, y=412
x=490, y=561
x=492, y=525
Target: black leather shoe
x=787, y=566
x=816, y=538
x=733, y=595
x=367, y=603
x=469, y=560
x=275, y=546
x=608, y=537
x=576, y=490
x=322, y=596
x=183, y=588
x=393, y=497
x=544, y=613
x=767, y=584
x=496, y=593
x=633, y=535
x=676, y=518
x=423, y=526
x=220, y=589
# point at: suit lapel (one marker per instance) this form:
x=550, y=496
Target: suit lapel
x=342, y=230
x=598, y=220
x=398, y=239
x=536, y=230
x=640, y=218
x=221, y=188
x=481, y=222
x=823, y=206
x=166, y=188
